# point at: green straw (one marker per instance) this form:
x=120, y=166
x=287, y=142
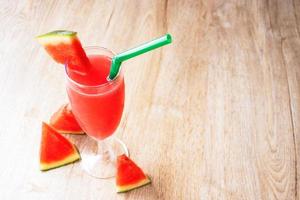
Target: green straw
x=118, y=59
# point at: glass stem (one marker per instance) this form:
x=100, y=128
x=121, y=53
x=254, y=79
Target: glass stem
x=105, y=150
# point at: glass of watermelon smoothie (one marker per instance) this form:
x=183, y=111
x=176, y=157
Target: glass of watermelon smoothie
x=98, y=106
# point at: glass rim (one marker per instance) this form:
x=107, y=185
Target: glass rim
x=111, y=82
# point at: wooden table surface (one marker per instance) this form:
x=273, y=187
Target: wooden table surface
x=215, y=115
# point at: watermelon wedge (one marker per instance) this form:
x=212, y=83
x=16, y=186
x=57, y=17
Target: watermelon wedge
x=129, y=175
x=65, y=48
x=55, y=150
x=64, y=121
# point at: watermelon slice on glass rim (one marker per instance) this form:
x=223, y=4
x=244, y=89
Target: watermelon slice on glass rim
x=64, y=47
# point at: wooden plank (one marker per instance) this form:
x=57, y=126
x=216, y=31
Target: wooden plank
x=290, y=45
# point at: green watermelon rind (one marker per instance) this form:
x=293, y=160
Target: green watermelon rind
x=66, y=161
x=58, y=33
x=70, y=132
x=127, y=188
x=57, y=37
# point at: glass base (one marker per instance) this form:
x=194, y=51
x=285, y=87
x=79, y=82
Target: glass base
x=98, y=158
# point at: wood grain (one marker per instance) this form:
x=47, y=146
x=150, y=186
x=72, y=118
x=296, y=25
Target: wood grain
x=215, y=115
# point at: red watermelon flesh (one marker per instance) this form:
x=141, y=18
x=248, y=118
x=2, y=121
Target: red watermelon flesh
x=129, y=175
x=65, y=48
x=64, y=121
x=55, y=150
